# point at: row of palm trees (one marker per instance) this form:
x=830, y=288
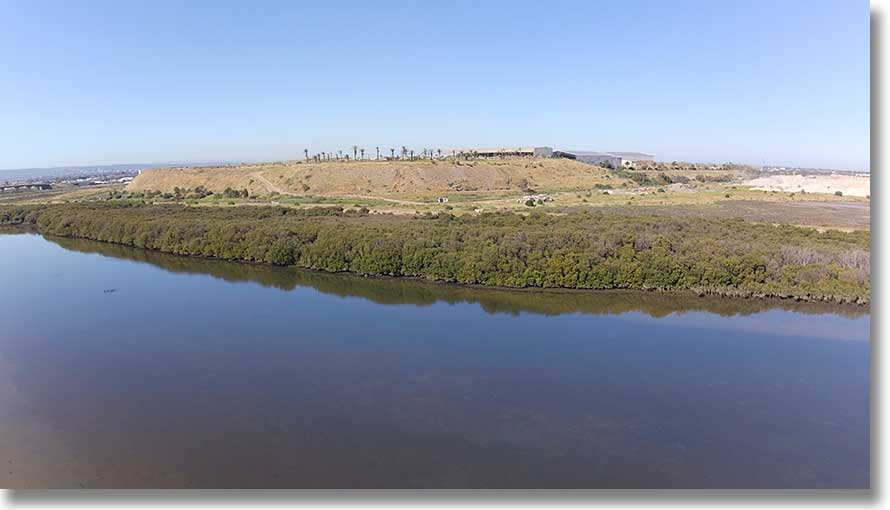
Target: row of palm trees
x=358, y=153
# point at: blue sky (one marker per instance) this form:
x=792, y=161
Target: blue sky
x=752, y=81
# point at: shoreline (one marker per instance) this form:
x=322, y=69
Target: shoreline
x=685, y=293
x=582, y=252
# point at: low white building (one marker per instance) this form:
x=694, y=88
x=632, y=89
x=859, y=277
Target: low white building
x=591, y=157
x=615, y=159
x=630, y=159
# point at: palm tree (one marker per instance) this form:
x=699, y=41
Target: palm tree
x=306, y=153
x=440, y=153
x=339, y=154
x=378, y=152
x=392, y=153
x=354, y=151
x=404, y=152
x=363, y=153
x=412, y=154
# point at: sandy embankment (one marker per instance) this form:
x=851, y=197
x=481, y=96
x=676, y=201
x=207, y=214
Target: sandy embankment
x=857, y=186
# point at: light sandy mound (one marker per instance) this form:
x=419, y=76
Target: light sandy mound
x=398, y=179
x=857, y=186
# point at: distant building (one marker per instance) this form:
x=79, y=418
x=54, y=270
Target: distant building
x=613, y=159
x=630, y=159
x=591, y=157
x=31, y=186
x=537, y=152
x=616, y=159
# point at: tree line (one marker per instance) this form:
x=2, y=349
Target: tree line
x=358, y=154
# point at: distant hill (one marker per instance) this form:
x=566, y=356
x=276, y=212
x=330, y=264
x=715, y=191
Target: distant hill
x=61, y=172
x=395, y=179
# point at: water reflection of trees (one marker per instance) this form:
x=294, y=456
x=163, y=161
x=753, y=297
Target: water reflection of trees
x=492, y=300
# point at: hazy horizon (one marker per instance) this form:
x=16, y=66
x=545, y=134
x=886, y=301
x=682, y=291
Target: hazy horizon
x=369, y=157
x=754, y=82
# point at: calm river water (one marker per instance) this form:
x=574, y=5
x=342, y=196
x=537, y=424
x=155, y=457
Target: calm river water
x=197, y=373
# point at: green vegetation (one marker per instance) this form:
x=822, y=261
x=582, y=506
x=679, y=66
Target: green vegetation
x=419, y=292
x=660, y=179
x=198, y=193
x=586, y=250
x=644, y=179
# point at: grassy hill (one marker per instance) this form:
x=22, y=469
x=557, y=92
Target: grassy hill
x=420, y=179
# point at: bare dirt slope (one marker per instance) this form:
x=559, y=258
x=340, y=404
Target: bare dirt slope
x=392, y=179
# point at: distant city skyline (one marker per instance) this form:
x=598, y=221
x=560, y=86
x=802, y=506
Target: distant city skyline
x=758, y=82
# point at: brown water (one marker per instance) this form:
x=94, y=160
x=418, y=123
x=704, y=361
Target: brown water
x=197, y=373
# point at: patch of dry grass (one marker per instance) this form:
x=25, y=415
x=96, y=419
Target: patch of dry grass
x=409, y=180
